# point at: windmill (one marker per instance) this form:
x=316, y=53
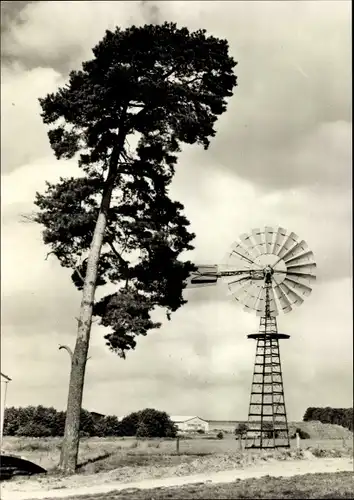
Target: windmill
x=267, y=271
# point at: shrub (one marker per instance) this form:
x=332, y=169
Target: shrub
x=302, y=434
x=18, y=421
x=241, y=429
x=220, y=435
x=32, y=429
x=328, y=415
x=142, y=430
x=148, y=423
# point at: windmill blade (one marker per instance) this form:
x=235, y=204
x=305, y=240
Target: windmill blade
x=282, y=298
x=272, y=303
x=305, y=258
x=269, y=235
x=250, y=302
x=237, y=280
x=299, y=248
x=279, y=238
x=292, y=296
x=247, y=241
x=260, y=304
x=259, y=244
x=304, y=268
x=298, y=287
x=289, y=243
x=238, y=252
x=240, y=292
x=303, y=277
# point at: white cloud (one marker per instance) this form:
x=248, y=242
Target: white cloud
x=50, y=35
x=24, y=138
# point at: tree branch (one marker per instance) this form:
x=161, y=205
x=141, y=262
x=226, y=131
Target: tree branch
x=118, y=255
x=79, y=274
x=26, y=219
x=67, y=348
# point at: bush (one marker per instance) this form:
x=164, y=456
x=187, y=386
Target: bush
x=39, y=420
x=241, y=429
x=32, y=429
x=148, y=423
x=328, y=415
x=107, y=426
x=302, y=434
x=142, y=430
x=220, y=435
x=201, y=431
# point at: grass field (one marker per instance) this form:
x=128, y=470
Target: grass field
x=45, y=451
x=103, y=460
x=335, y=485
x=98, y=454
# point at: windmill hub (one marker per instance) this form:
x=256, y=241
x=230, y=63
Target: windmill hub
x=268, y=272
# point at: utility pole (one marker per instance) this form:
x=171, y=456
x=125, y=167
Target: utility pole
x=4, y=380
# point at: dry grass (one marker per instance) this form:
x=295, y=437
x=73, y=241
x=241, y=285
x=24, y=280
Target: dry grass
x=102, y=454
x=325, y=486
x=127, y=459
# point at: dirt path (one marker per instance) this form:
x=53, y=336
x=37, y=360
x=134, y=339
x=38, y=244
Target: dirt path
x=276, y=469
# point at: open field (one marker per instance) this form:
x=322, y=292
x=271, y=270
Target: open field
x=334, y=485
x=97, y=454
x=103, y=461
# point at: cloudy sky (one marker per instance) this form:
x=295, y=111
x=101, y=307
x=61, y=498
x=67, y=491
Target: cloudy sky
x=282, y=157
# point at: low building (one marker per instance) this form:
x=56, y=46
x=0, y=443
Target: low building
x=223, y=425
x=97, y=416
x=190, y=423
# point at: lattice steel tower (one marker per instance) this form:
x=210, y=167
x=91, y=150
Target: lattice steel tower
x=267, y=421
x=266, y=269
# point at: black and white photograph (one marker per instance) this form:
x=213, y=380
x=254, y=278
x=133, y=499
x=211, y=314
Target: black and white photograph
x=176, y=250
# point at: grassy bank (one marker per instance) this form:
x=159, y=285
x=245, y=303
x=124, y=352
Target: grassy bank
x=334, y=485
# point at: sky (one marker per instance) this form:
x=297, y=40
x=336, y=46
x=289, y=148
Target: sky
x=281, y=157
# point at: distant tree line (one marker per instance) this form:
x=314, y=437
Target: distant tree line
x=328, y=415
x=38, y=421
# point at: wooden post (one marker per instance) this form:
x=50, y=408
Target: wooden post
x=297, y=441
x=240, y=441
x=177, y=445
x=4, y=381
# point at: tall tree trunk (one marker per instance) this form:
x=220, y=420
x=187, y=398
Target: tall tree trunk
x=70, y=445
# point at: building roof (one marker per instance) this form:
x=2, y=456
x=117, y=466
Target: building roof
x=184, y=418
x=96, y=414
x=174, y=418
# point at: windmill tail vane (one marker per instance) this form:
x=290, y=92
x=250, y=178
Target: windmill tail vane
x=267, y=271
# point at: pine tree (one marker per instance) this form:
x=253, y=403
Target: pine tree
x=160, y=87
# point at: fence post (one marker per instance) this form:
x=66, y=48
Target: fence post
x=240, y=441
x=297, y=441
x=177, y=445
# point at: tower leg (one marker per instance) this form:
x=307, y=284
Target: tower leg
x=267, y=421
